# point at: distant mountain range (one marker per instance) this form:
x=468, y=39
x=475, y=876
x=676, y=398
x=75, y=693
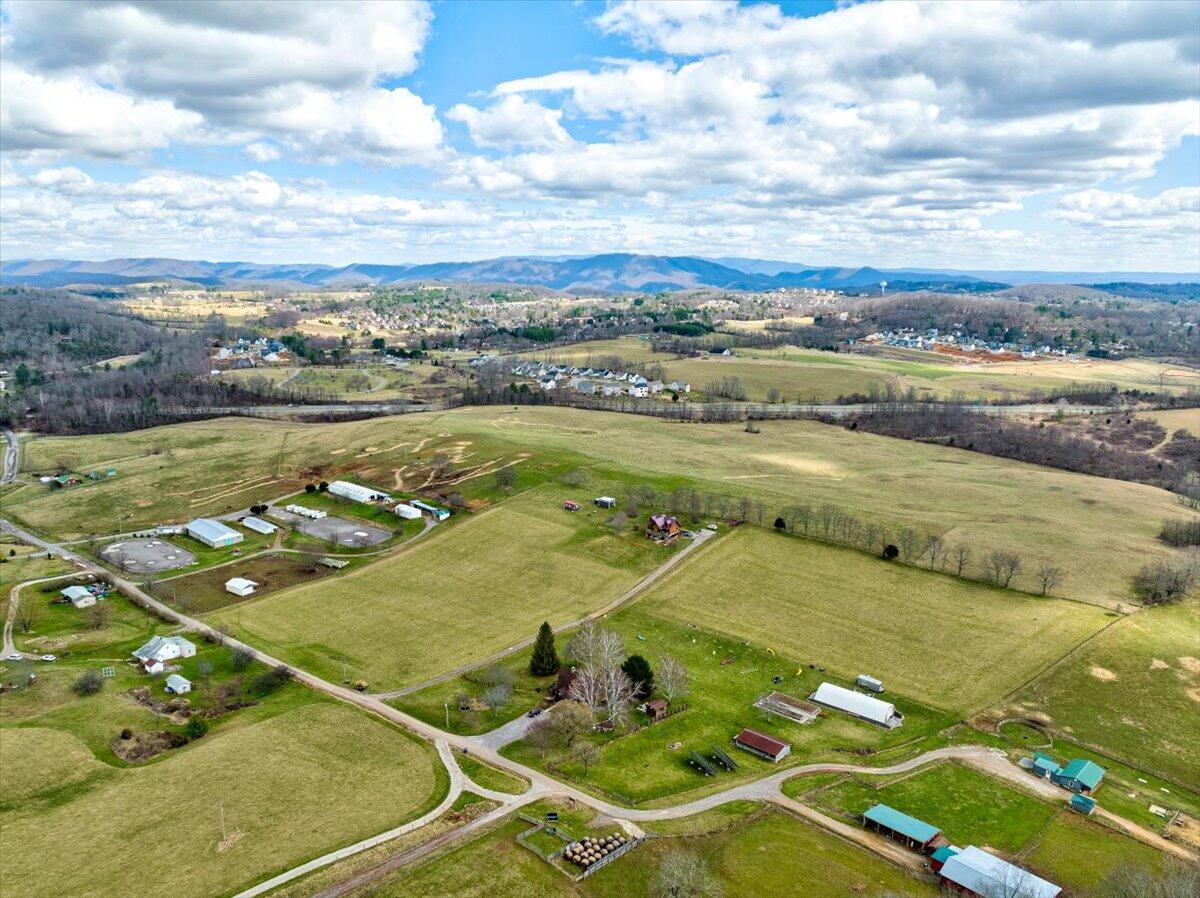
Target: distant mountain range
x=621, y=272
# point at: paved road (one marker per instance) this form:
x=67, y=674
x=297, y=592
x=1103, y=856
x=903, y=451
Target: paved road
x=11, y=456
x=633, y=592
x=542, y=784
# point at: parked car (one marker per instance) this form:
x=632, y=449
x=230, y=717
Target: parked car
x=712, y=527
x=15, y=656
x=534, y=712
x=49, y=657
x=688, y=534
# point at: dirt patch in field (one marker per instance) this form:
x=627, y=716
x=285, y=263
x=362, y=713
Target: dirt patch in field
x=1190, y=664
x=800, y=465
x=1101, y=673
x=144, y=746
x=1155, y=664
x=1194, y=693
x=176, y=710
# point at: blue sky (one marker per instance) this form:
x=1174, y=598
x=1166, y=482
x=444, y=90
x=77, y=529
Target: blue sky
x=1006, y=135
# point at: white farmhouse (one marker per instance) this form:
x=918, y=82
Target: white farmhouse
x=155, y=654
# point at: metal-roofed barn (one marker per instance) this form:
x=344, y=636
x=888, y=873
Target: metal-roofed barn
x=213, y=533
x=79, y=596
x=908, y=831
x=258, y=525
x=865, y=707
x=975, y=872
x=357, y=492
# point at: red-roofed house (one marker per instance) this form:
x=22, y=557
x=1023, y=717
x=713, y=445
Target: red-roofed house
x=663, y=527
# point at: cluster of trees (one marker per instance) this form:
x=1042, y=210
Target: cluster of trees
x=726, y=388
x=1058, y=447
x=1181, y=533
x=1167, y=580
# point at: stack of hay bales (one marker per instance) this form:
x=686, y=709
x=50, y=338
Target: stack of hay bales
x=588, y=851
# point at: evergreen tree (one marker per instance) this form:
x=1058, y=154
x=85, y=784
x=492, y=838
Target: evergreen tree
x=544, y=660
x=638, y=670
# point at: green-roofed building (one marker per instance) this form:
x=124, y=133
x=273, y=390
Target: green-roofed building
x=908, y=831
x=1080, y=775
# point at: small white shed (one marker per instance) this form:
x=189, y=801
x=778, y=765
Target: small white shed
x=240, y=586
x=178, y=685
x=78, y=596
x=407, y=512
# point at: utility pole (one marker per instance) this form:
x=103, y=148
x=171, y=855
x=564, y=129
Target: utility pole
x=222, y=804
x=447, y=706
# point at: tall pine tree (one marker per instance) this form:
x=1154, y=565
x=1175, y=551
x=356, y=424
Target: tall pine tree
x=544, y=660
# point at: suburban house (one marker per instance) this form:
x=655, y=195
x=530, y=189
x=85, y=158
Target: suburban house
x=356, y=492
x=762, y=745
x=663, y=528
x=910, y=832
x=155, y=654
x=258, y=525
x=79, y=596
x=679, y=386
x=240, y=586
x=213, y=533
x=178, y=685
x=562, y=685
x=973, y=871
x=872, y=710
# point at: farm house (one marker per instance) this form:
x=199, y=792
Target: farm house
x=766, y=747
x=908, y=831
x=213, y=533
x=872, y=710
x=975, y=872
x=356, y=492
x=79, y=596
x=154, y=655
x=663, y=528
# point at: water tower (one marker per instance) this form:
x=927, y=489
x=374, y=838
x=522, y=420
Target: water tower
x=883, y=288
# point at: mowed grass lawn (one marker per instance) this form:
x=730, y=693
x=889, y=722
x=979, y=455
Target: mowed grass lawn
x=945, y=642
x=1099, y=531
x=1134, y=692
x=294, y=786
x=767, y=853
x=454, y=598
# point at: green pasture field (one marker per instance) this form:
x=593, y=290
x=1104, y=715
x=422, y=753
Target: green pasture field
x=972, y=808
x=1176, y=419
x=454, y=598
x=290, y=787
x=946, y=642
x=764, y=853
x=205, y=591
x=490, y=777
x=1133, y=693
x=432, y=703
x=28, y=564
x=641, y=767
x=1098, y=530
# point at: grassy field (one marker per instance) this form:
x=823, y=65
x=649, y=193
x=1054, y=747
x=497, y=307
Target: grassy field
x=454, y=598
x=1176, y=419
x=333, y=776
x=490, y=777
x=1134, y=692
x=28, y=563
x=1098, y=530
x=727, y=676
x=971, y=808
x=767, y=853
x=945, y=642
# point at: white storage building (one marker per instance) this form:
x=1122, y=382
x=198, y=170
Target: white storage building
x=213, y=533
x=357, y=492
x=178, y=685
x=976, y=872
x=407, y=511
x=870, y=709
x=258, y=525
x=240, y=586
x=78, y=596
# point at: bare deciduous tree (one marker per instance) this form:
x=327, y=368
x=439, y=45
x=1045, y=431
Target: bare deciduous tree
x=671, y=678
x=541, y=735
x=961, y=557
x=582, y=647
x=683, y=874
x=587, y=688
x=570, y=720
x=586, y=753
x=907, y=542
x=497, y=696
x=619, y=693
x=934, y=547
x=999, y=567
x=1049, y=576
